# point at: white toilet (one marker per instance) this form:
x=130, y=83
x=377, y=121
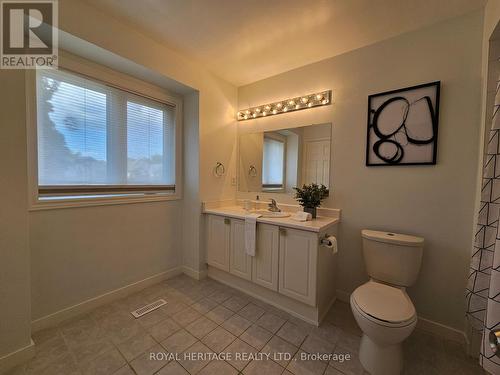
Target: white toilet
x=381, y=307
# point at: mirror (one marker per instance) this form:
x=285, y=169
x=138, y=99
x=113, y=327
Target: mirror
x=279, y=160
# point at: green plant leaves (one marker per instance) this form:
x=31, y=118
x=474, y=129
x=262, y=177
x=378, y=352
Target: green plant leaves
x=311, y=195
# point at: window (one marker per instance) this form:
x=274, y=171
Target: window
x=273, y=161
x=97, y=139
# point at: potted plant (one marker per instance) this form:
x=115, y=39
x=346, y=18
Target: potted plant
x=310, y=197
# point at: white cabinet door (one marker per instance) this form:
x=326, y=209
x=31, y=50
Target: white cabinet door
x=265, y=262
x=218, y=242
x=240, y=262
x=297, y=265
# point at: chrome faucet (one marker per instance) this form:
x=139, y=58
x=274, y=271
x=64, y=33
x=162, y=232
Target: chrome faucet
x=273, y=206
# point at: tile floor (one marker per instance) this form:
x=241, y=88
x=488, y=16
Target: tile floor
x=208, y=317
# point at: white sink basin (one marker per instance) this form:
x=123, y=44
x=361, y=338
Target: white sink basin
x=265, y=213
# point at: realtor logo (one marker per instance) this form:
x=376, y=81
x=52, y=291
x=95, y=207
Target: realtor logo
x=29, y=34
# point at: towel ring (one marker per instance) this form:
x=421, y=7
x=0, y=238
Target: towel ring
x=252, y=171
x=219, y=169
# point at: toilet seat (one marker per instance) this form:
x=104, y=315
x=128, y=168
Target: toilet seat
x=384, y=305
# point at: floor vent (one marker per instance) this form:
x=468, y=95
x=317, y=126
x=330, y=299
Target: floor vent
x=148, y=308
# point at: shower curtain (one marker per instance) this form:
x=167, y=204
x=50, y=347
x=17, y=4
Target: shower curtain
x=483, y=287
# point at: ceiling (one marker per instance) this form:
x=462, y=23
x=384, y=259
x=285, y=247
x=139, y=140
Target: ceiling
x=243, y=41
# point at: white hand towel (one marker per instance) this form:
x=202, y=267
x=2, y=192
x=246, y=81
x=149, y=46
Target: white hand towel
x=301, y=216
x=250, y=233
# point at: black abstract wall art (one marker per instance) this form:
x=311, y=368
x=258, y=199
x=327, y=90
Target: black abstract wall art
x=403, y=126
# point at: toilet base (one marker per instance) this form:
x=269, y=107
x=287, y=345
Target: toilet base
x=380, y=360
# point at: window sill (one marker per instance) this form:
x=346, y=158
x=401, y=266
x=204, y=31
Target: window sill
x=273, y=190
x=59, y=202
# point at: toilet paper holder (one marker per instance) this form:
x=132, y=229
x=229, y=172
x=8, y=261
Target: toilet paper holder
x=325, y=241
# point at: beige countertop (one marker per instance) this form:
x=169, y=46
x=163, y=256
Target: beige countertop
x=316, y=225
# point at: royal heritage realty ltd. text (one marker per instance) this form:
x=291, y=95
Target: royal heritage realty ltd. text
x=244, y=356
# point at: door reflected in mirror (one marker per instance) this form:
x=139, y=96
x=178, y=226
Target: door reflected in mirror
x=279, y=160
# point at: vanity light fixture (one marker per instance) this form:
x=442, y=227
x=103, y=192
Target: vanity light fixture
x=288, y=105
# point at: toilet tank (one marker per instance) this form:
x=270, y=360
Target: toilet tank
x=392, y=258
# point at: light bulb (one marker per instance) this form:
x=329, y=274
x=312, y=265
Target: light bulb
x=325, y=101
x=279, y=105
x=267, y=107
x=304, y=100
x=245, y=117
x=319, y=96
x=264, y=113
x=257, y=110
x=291, y=103
x=274, y=111
x=310, y=105
x=254, y=115
x=247, y=112
x=297, y=106
x=285, y=109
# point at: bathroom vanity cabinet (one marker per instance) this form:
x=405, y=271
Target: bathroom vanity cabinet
x=290, y=269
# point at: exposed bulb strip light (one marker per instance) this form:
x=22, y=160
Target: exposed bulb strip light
x=288, y=105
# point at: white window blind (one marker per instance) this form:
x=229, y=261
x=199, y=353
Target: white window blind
x=92, y=137
x=273, y=159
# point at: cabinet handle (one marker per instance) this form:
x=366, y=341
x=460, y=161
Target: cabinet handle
x=283, y=231
x=227, y=221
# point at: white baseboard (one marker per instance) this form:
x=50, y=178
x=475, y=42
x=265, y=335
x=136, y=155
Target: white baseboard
x=441, y=330
x=17, y=357
x=90, y=304
x=423, y=324
x=198, y=275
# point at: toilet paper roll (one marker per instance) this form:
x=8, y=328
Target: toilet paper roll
x=330, y=242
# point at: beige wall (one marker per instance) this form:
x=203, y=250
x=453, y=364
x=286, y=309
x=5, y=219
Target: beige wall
x=14, y=252
x=435, y=202
x=80, y=253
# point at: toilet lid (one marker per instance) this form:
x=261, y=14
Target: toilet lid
x=384, y=302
